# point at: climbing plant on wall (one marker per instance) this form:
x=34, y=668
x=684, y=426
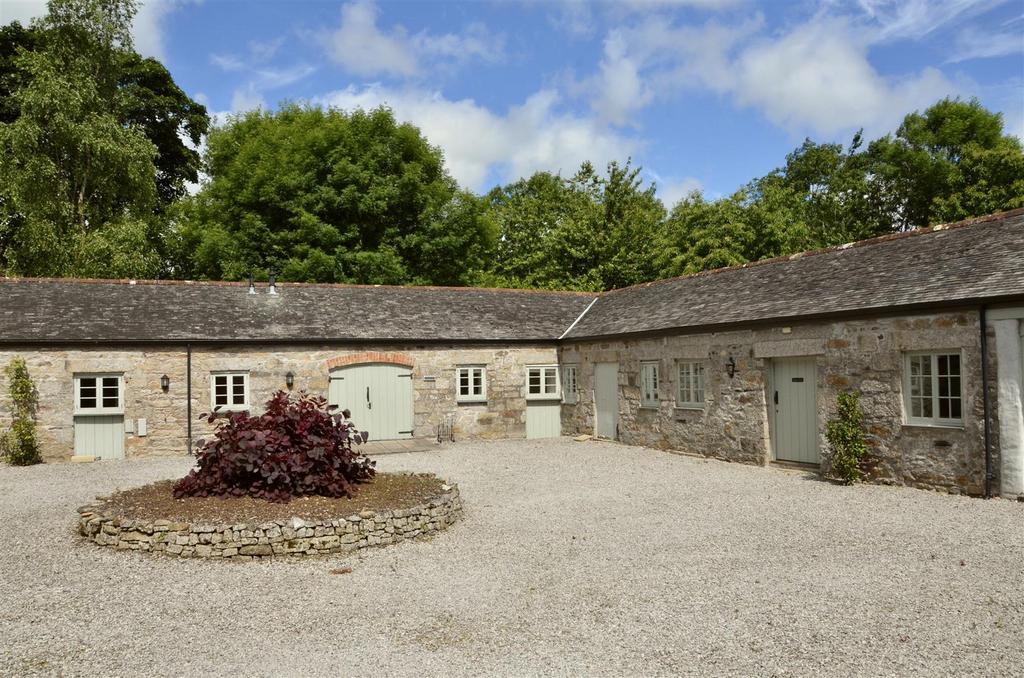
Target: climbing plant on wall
x=18, y=445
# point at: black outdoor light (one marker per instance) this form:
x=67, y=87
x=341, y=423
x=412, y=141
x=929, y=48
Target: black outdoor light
x=730, y=367
x=289, y=380
x=165, y=383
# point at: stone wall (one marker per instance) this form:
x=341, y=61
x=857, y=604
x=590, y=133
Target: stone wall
x=434, y=398
x=278, y=539
x=852, y=354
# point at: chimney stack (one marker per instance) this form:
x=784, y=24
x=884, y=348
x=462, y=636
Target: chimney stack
x=273, y=283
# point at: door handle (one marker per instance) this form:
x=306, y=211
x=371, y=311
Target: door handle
x=369, y=405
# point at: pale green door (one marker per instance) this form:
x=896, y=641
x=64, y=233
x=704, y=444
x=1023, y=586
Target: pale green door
x=543, y=418
x=379, y=397
x=606, y=399
x=100, y=436
x=793, y=403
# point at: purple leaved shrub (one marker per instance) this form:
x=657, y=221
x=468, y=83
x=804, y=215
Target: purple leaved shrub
x=296, y=448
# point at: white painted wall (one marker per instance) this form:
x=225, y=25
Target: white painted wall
x=1011, y=413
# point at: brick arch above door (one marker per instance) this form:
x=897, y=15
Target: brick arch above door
x=369, y=357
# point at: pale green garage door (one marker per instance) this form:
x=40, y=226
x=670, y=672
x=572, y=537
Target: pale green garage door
x=100, y=436
x=379, y=397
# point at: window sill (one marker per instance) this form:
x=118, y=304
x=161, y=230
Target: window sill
x=472, y=401
x=97, y=413
x=650, y=407
x=688, y=408
x=548, y=398
x=570, y=402
x=937, y=426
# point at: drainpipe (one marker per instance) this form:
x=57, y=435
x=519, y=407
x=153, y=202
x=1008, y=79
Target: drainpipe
x=188, y=392
x=986, y=401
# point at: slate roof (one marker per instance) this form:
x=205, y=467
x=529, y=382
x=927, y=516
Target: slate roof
x=76, y=311
x=959, y=264
x=967, y=262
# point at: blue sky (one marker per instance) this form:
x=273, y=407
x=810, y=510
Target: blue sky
x=704, y=94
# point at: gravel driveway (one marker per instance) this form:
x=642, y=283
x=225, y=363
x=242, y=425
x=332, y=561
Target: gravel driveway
x=573, y=558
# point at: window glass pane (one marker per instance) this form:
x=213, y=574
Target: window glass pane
x=111, y=392
x=534, y=380
x=238, y=390
x=943, y=408
x=550, y=380
x=954, y=364
x=927, y=407
x=87, y=393
x=463, y=382
x=955, y=408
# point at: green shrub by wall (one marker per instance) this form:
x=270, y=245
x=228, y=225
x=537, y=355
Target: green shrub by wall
x=18, y=445
x=846, y=437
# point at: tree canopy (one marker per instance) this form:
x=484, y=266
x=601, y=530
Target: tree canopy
x=90, y=153
x=328, y=196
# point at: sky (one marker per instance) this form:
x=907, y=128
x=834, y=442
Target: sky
x=702, y=94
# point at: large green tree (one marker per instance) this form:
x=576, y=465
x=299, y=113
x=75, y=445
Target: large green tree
x=90, y=136
x=590, y=231
x=328, y=196
x=950, y=162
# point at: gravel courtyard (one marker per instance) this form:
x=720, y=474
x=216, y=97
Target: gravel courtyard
x=572, y=558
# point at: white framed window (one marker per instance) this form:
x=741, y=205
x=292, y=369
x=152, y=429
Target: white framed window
x=650, y=382
x=542, y=382
x=99, y=394
x=471, y=384
x=690, y=391
x=229, y=390
x=569, y=393
x=933, y=389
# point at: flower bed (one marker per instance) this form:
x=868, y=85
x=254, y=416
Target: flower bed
x=116, y=523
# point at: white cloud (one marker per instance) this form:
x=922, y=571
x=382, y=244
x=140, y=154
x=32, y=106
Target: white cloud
x=915, y=19
x=619, y=90
x=247, y=98
x=672, y=191
x=972, y=43
x=815, y=77
x=819, y=76
x=362, y=48
x=480, y=145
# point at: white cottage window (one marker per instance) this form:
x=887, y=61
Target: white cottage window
x=690, y=392
x=471, y=384
x=542, y=382
x=650, y=382
x=933, y=388
x=229, y=390
x=569, y=394
x=99, y=394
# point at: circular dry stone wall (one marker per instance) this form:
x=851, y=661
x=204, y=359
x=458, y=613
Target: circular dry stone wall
x=291, y=538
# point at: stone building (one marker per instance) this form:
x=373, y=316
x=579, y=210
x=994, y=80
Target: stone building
x=743, y=364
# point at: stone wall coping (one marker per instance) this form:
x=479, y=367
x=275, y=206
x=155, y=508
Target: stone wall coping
x=281, y=539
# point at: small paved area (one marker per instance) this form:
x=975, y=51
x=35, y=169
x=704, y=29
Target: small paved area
x=572, y=559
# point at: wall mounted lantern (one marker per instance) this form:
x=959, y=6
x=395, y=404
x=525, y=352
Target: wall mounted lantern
x=289, y=380
x=165, y=383
x=730, y=367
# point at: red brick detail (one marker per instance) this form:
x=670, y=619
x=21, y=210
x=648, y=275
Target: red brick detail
x=369, y=357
